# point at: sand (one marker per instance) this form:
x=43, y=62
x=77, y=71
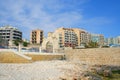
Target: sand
x=42, y=70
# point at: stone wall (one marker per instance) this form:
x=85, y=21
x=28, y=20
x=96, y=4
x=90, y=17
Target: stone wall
x=101, y=56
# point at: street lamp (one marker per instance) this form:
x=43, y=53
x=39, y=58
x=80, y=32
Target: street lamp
x=40, y=49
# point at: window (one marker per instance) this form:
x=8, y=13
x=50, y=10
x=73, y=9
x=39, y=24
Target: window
x=8, y=36
x=8, y=33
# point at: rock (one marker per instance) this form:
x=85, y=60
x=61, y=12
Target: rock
x=90, y=76
x=99, y=70
x=76, y=78
x=107, y=73
x=66, y=78
x=86, y=78
x=63, y=78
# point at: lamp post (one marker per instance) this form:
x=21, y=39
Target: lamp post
x=40, y=49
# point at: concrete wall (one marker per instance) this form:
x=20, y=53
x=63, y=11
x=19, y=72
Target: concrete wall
x=102, y=56
x=42, y=57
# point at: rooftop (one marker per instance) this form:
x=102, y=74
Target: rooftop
x=8, y=27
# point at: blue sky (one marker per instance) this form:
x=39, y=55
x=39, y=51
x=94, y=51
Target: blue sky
x=95, y=16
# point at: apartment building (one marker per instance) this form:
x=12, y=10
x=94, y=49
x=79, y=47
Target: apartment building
x=99, y=38
x=81, y=36
x=36, y=36
x=118, y=39
x=9, y=33
x=112, y=41
x=67, y=37
x=70, y=37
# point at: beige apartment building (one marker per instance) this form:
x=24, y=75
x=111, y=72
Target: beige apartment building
x=71, y=37
x=81, y=36
x=36, y=36
x=66, y=37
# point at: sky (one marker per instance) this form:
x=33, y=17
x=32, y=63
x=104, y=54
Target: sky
x=95, y=16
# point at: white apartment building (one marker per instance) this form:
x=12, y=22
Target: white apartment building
x=9, y=33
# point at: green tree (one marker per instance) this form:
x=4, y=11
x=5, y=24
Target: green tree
x=2, y=41
x=92, y=45
x=25, y=44
x=16, y=42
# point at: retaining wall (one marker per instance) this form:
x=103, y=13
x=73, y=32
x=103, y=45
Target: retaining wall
x=36, y=56
x=101, y=56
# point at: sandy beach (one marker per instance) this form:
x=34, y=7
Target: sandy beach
x=42, y=70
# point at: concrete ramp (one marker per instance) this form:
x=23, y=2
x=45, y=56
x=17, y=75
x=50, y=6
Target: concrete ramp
x=22, y=55
x=13, y=57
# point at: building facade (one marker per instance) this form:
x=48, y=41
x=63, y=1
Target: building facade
x=9, y=33
x=81, y=36
x=36, y=37
x=65, y=37
x=99, y=38
x=118, y=39
x=71, y=37
x=113, y=41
